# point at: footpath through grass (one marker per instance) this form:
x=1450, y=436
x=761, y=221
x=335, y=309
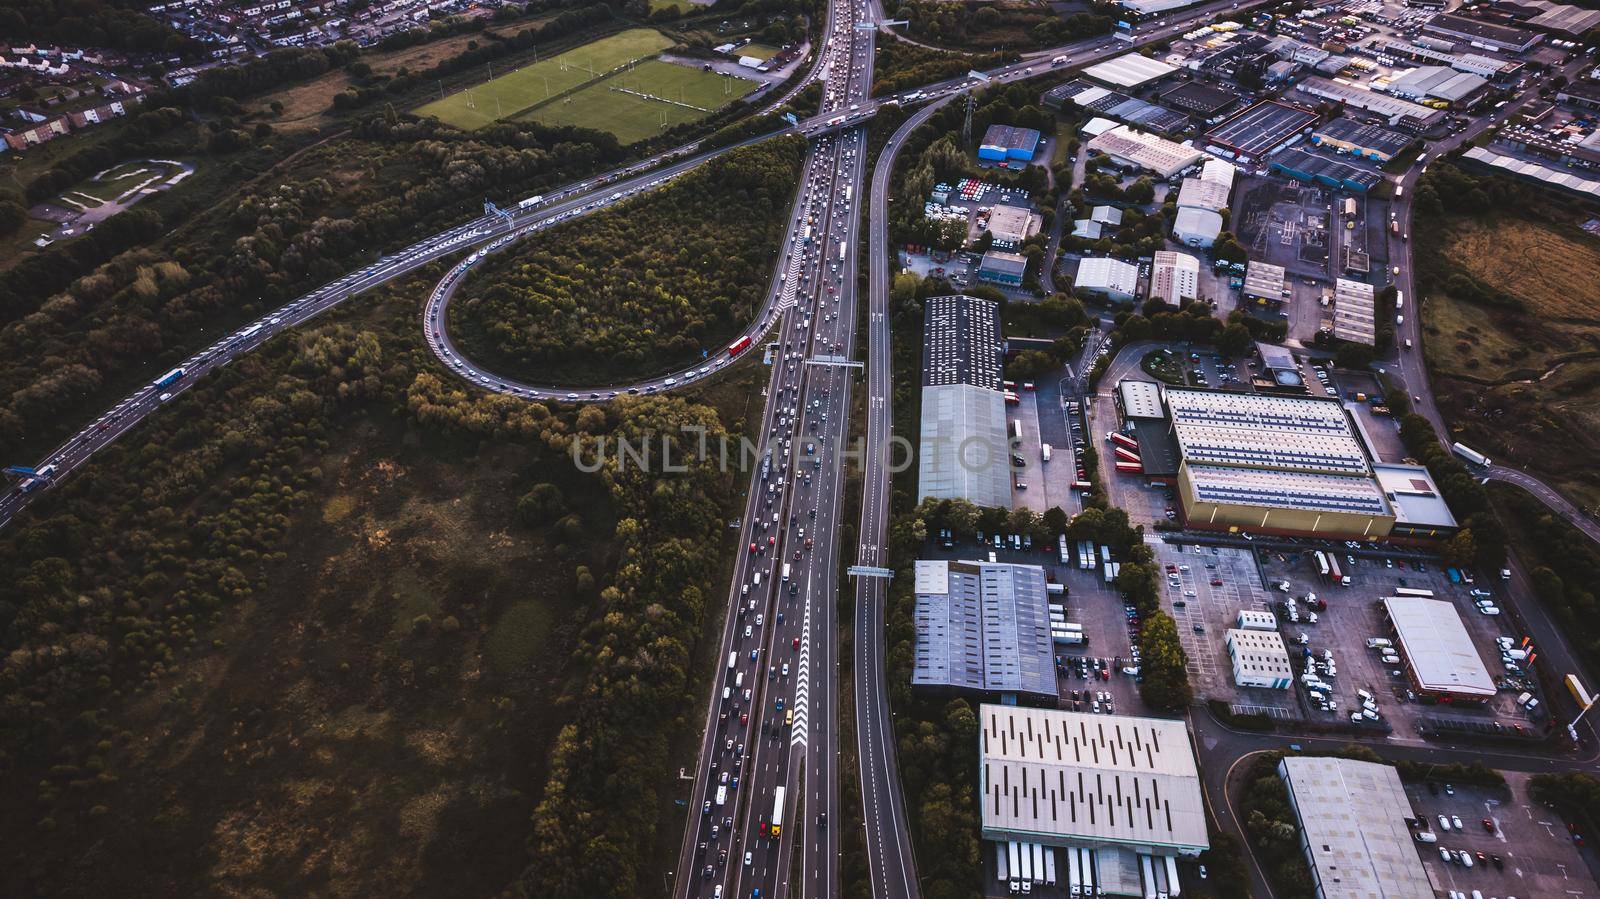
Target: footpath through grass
x=515, y=92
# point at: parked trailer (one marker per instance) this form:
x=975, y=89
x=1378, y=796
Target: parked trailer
x=1016, y=863
x=1413, y=591
x=1086, y=860
x=1124, y=440
x=1322, y=562
x=1470, y=454
x=1016, y=429
x=1026, y=874
x=1149, y=877
x=1334, y=574
x=1000, y=868
x=1172, y=876
x=1061, y=547
x=1038, y=862
x=1130, y=467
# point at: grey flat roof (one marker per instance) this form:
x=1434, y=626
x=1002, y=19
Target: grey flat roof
x=963, y=451
x=1260, y=128
x=1129, y=70
x=1199, y=98
x=1096, y=780
x=1413, y=494
x=1353, y=823
x=1141, y=399
x=1367, y=136
x=961, y=342
x=983, y=626
x=1437, y=647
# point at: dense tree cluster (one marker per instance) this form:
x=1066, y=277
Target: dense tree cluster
x=92, y=23
x=124, y=569
x=1269, y=823
x=641, y=287
x=986, y=26
x=900, y=65
x=608, y=765
x=1574, y=793
x=388, y=183
x=1482, y=539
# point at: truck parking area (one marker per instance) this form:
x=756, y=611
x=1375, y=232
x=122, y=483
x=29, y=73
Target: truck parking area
x=1213, y=583
x=1352, y=617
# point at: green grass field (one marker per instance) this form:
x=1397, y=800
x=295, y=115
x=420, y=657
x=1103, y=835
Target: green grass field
x=606, y=106
x=759, y=51
x=512, y=93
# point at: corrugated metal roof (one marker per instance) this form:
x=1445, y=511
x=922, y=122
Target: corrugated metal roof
x=1353, y=817
x=986, y=627
x=1102, y=780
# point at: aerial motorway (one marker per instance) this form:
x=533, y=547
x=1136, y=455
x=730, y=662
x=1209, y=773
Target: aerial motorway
x=529, y=216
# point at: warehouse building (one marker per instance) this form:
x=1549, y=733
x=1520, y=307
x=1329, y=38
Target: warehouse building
x=1353, y=828
x=1265, y=282
x=1396, y=111
x=1439, y=657
x=999, y=267
x=1270, y=463
x=1012, y=224
x=1260, y=659
x=1354, y=312
x=1302, y=166
x=1113, y=279
x=1129, y=70
x=1439, y=83
x=984, y=627
x=1506, y=38
x=1174, y=277
x=1373, y=142
x=1109, y=783
x=1144, y=418
x=1537, y=173
x=1259, y=130
x=1203, y=101
x=1556, y=18
x=1201, y=200
x=1136, y=149
x=1003, y=143
x=963, y=441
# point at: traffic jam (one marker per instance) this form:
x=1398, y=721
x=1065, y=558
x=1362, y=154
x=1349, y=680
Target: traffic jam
x=756, y=721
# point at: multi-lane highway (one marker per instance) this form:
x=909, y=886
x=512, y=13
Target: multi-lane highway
x=768, y=754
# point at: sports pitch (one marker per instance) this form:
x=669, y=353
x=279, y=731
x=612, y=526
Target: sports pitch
x=676, y=94
x=507, y=95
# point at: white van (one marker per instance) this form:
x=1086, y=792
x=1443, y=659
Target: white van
x=1378, y=643
x=1427, y=836
x=732, y=657
x=738, y=681
x=758, y=579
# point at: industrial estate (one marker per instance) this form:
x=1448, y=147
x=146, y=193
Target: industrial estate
x=1109, y=515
